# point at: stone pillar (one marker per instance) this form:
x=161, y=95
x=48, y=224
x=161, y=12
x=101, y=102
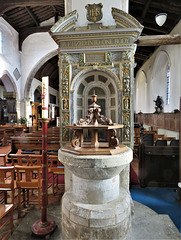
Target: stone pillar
x=98, y=205
x=68, y=6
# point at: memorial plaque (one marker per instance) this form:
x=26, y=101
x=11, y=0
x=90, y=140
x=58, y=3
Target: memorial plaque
x=95, y=57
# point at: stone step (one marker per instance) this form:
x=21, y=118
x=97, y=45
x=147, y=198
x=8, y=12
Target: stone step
x=148, y=225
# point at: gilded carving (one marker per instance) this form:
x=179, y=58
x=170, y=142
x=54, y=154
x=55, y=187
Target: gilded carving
x=65, y=80
x=65, y=103
x=65, y=117
x=65, y=133
x=64, y=95
x=126, y=95
x=126, y=56
x=127, y=126
x=126, y=70
x=126, y=103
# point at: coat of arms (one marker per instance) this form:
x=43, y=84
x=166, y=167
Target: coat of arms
x=94, y=12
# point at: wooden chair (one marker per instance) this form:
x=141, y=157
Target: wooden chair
x=6, y=211
x=55, y=168
x=19, y=159
x=7, y=182
x=35, y=159
x=28, y=182
x=4, y=158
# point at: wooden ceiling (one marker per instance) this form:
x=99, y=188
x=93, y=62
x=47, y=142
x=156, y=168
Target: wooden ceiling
x=26, y=17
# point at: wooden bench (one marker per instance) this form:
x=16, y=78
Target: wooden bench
x=39, y=134
x=33, y=143
x=9, y=131
x=55, y=131
x=3, y=137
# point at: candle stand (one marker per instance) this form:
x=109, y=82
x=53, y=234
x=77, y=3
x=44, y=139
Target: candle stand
x=44, y=226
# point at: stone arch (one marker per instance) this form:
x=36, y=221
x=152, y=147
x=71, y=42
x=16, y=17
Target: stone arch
x=4, y=28
x=35, y=69
x=9, y=84
x=110, y=73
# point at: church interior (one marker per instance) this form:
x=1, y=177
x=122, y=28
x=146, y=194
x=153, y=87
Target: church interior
x=90, y=109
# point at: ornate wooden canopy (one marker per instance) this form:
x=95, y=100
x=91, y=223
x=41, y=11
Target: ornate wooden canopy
x=94, y=121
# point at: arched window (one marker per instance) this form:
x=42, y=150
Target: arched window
x=168, y=86
x=37, y=96
x=1, y=42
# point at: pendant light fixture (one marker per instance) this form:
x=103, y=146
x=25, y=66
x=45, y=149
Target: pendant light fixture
x=161, y=18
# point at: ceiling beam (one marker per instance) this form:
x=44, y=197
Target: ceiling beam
x=10, y=22
x=6, y=5
x=158, y=40
x=161, y=6
x=145, y=9
x=32, y=15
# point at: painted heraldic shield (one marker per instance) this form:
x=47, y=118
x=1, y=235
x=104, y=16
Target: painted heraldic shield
x=94, y=12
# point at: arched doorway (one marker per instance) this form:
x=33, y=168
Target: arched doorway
x=105, y=89
x=9, y=100
x=36, y=109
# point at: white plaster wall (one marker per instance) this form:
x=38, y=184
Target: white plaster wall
x=155, y=70
x=107, y=19
x=141, y=91
x=35, y=47
x=10, y=59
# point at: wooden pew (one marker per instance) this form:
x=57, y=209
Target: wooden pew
x=39, y=134
x=33, y=143
x=55, y=131
x=12, y=130
x=158, y=166
x=3, y=137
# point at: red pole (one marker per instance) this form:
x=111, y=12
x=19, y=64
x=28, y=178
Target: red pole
x=44, y=226
x=44, y=173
